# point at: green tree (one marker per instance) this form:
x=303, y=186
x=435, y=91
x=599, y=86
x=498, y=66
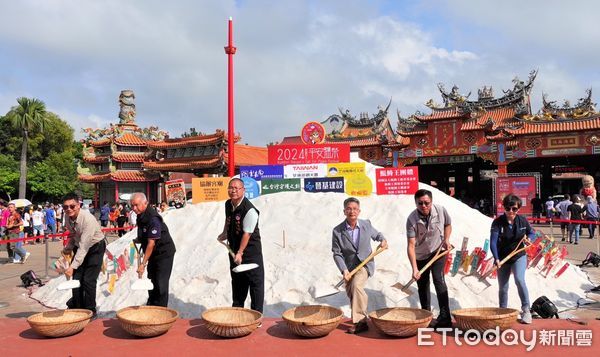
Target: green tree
x=9, y=175
x=29, y=115
x=54, y=177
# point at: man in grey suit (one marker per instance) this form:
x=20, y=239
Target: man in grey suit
x=350, y=246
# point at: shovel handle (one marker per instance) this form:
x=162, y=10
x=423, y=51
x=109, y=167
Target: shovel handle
x=228, y=248
x=362, y=264
x=526, y=243
x=440, y=253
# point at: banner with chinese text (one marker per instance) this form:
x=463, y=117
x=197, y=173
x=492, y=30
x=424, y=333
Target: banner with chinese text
x=175, y=193
x=308, y=154
x=205, y=189
x=305, y=171
x=397, y=181
x=268, y=186
x=345, y=169
x=329, y=184
x=262, y=171
x=523, y=186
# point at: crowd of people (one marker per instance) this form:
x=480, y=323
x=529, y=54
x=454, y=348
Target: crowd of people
x=41, y=221
x=572, y=208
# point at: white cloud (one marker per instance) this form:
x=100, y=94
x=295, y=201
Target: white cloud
x=296, y=61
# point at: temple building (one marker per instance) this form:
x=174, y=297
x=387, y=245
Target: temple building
x=114, y=157
x=124, y=158
x=462, y=143
x=366, y=134
x=201, y=155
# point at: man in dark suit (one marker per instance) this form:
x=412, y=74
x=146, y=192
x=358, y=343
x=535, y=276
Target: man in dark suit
x=350, y=246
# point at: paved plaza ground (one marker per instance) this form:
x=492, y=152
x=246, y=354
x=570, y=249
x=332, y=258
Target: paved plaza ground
x=21, y=305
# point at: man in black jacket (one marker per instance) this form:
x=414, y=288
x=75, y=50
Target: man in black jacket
x=159, y=249
x=241, y=230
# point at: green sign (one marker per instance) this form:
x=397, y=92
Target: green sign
x=279, y=185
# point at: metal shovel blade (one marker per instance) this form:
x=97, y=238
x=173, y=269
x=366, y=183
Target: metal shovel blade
x=476, y=283
x=68, y=285
x=142, y=284
x=320, y=293
x=244, y=267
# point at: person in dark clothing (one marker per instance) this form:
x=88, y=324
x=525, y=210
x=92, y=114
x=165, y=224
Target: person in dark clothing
x=121, y=220
x=505, y=236
x=104, y=213
x=241, y=230
x=158, y=247
x=575, y=212
x=537, y=208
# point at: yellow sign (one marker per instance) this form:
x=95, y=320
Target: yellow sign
x=345, y=169
x=205, y=189
x=359, y=185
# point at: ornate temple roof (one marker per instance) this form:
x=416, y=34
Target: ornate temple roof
x=128, y=157
x=130, y=139
x=245, y=155
x=96, y=159
x=121, y=176
x=202, y=140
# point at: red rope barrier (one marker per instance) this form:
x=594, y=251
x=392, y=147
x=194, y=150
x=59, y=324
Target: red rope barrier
x=60, y=235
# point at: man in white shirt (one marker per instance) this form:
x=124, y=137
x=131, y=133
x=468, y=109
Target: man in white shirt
x=38, y=221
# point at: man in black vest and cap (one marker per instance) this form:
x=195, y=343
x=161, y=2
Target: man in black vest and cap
x=158, y=247
x=241, y=230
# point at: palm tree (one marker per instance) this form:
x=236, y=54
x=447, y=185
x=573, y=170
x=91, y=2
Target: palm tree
x=29, y=115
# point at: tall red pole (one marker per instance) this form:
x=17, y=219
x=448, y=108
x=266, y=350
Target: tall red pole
x=230, y=51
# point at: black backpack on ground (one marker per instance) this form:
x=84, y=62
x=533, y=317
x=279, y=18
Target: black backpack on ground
x=545, y=308
x=591, y=258
x=29, y=278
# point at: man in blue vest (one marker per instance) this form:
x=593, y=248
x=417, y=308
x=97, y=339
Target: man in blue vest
x=159, y=249
x=241, y=230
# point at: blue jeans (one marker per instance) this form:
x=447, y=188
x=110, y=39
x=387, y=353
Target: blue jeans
x=518, y=269
x=574, y=228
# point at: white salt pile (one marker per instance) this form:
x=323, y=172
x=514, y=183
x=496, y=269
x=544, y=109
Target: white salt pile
x=201, y=277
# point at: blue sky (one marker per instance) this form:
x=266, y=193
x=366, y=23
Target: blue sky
x=297, y=61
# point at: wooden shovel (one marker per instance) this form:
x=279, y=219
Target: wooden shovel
x=240, y=267
x=69, y=283
x=517, y=250
x=439, y=254
x=141, y=283
x=336, y=288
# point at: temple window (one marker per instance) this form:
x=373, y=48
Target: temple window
x=131, y=165
x=129, y=148
x=199, y=151
x=189, y=152
x=170, y=154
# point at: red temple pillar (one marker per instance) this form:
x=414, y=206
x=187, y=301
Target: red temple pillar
x=230, y=51
x=502, y=169
x=116, y=192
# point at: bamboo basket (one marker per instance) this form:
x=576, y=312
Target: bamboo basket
x=485, y=318
x=231, y=321
x=400, y=321
x=313, y=320
x=59, y=323
x=147, y=321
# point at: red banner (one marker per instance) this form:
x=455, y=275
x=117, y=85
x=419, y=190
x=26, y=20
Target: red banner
x=522, y=186
x=308, y=154
x=397, y=181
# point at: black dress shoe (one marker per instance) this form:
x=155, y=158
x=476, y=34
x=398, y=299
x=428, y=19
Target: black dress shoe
x=358, y=327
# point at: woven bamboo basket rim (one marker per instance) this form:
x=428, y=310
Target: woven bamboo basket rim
x=256, y=314
x=34, y=319
x=502, y=312
x=339, y=316
x=174, y=317
x=373, y=315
